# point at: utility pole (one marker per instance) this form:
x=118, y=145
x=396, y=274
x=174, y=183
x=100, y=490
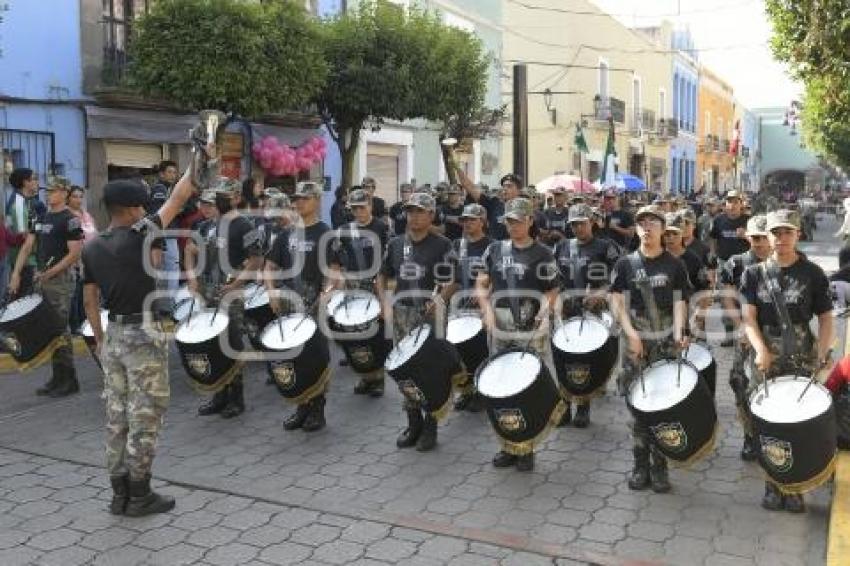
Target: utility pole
x=521, y=122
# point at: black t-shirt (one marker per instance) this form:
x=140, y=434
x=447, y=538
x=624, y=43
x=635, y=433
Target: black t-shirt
x=701, y=250
x=620, y=219
x=593, y=265
x=296, y=250
x=803, y=285
x=724, y=230
x=340, y=214
x=243, y=242
x=114, y=262
x=451, y=221
x=379, y=207
x=695, y=269
x=469, y=258
x=530, y=269
x=399, y=218
x=495, y=208
x=733, y=268
x=668, y=278
x=418, y=266
x=361, y=248
x=557, y=220
x=53, y=231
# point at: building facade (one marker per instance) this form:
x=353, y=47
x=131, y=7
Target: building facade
x=787, y=166
x=748, y=157
x=685, y=89
x=715, y=123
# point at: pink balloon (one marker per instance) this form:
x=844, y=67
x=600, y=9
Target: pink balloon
x=322, y=153
x=269, y=141
x=265, y=164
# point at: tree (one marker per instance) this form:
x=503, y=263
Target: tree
x=233, y=55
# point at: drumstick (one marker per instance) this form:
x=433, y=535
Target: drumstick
x=640, y=378
x=191, y=308
x=215, y=314
x=684, y=355
x=280, y=328
x=814, y=377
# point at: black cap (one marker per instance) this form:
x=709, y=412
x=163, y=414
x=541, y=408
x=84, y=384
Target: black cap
x=512, y=178
x=125, y=192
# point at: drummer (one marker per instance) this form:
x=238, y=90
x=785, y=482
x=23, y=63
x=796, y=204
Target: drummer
x=278, y=212
x=730, y=279
x=359, y=248
x=800, y=292
x=646, y=276
x=419, y=262
x=522, y=277
x=469, y=250
x=585, y=263
x=294, y=264
x=398, y=215
x=233, y=253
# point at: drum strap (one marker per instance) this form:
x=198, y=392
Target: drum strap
x=462, y=246
x=510, y=279
x=406, y=255
x=644, y=285
x=773, y=280
x=578, y=275
x=354, y=246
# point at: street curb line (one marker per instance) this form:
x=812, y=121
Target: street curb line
x=8, y=364
x=838, y=535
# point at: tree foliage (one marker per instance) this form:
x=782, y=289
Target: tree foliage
x=233, y=55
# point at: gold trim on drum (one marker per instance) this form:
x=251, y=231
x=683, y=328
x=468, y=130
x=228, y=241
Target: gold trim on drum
x=699, y=454
x=317, y=389
x=223, y=382
x=443, y=411
x=43, y=356
x=527, y=446
x=810, y=484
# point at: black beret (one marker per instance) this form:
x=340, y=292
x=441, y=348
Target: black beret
x=126, y=193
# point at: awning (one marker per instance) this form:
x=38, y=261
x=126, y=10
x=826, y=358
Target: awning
x=161, y=127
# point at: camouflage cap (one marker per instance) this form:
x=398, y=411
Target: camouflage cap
x=673, y=222
x=474, y=211
x=650, y=210
x=228, y=186
x=579, y=213
x=528, y=192
x=757, y=225
x=307, y=189
x=454, y=190
x=519, y=209
x=207, y=197
x=358, y=197
x=421, y=200
x=368, y=182
x=57, y=182
x=688, y=215
x=733, y=195
x=783, y=218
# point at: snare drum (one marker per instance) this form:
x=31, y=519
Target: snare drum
x=183, y=305
x=584, y=352
x=88, y=333
x=300, y=365
x=423, y=367
x=199, y=340
x=466, y=332
x=258, y=311
x=681, y=416
x=698, y=354
x=521, y=398
x=360, y=331
x=31, y=330
x=796, y=439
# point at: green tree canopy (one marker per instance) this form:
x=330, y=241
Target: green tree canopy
x=233, y=55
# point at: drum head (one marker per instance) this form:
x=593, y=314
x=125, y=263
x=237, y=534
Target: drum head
x=357, y=310
x=181, y=310
x=462, y=328
x=334, y=301
x=201, y=327
x=288, y=332
x=508, y=374
x=607, y=318
x=20, y=307
x=700, y=356
x=407, y=347
x=86, y=330
x=576, y=337
x=256, y=296
x=182, y=294
x=660, y=384
x=780, y=405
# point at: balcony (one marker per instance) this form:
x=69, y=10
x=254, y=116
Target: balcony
x=668, y=128
x=605, y=107
x=643, y=121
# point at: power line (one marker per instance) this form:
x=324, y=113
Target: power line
x=601, y=13
x=566, y=65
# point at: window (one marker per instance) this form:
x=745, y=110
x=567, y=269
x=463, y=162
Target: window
x=662, y=103
x=637, y=102
x=118, y=16
x=603, y=78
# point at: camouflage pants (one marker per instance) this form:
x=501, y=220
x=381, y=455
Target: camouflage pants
x=137, y=392
x=58, y=292
x=740, y=383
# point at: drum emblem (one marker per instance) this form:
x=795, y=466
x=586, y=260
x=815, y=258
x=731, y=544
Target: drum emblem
x=777, y=453
x=671, y=435
x=578, y=374
x=284, y=374
x=12, y=344
x=511, y=420
x=199, y=364
x=361, y=356
x=411, y=391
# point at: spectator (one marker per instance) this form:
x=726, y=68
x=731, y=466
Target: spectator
x=22, y=207
x=76, y=314
x=838, y=384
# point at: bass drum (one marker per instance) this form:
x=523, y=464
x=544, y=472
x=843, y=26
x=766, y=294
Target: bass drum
x=334, y=301
x=677, y=408
x=521, y=398
x=700, y=355
x=300, y=365
x=584, y=352
x=465, y=331
x=31, y=330
x=360, y=331
x=423, y=368
x=87, y=332
x=796, y=439
x=199, y=341
x=258, y=312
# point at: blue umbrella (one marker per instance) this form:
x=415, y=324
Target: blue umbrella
x=629, y=183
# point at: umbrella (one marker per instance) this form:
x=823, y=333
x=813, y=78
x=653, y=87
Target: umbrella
x=629, y=184
x=570, y=182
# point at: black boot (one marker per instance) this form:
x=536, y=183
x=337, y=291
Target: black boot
x=748, y=450
x=235, y=400
x=144, y=501
x=568, y=415
x=504, y=460
x=316, y=416
x=296, y=419
x=772, y=500
x=214, y=405
x=68, y=384
x=428, y=439
x=793, y=503
x=410, y=435
x=525, y=463
x=658, y=474
x=120, y=494
x=582, y=418
x=639, y=478
x=51, y=384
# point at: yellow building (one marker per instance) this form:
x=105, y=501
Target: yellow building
x=715, y=126
x=592, y=67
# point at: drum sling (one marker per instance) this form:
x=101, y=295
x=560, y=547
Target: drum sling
x=644, y=285
x=513, y=301
x=773, y=281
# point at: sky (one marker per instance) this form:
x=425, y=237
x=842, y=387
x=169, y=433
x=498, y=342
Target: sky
x=732, y=36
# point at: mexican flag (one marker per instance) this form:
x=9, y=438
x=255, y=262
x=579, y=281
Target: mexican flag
x=581, y=143
x=609, y=170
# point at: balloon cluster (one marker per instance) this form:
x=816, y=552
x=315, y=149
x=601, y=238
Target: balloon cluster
x=282, y=160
